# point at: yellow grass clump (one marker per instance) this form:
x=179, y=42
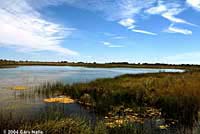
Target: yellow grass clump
x=61, y=99
x=163, y=126
x=19, y=88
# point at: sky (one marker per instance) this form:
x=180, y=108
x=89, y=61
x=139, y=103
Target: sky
x=135, y=31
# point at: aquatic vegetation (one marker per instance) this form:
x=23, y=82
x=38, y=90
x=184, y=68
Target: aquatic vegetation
x=128, y=115
x=163, y=126
x=128, y=128
x=19, y=88
x=60, y=99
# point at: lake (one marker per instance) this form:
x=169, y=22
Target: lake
x=34, y=75
x=31, y=76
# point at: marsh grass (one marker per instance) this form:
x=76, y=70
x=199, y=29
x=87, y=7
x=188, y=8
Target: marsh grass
x=52, y=121
x=177, y=95
x=67, y=125
x=49, y=89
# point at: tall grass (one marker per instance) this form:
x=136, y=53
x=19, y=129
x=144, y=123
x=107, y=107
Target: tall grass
x=176, y=94
x=54, y=122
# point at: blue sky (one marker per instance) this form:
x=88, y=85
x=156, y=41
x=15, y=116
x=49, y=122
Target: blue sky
x=153, y=31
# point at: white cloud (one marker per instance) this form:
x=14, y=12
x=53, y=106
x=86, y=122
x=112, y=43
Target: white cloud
x=131, y=27
x=126, y=12
x=113, y=10
x=172, y=29
x=130, y=8
x=117, y=46
x=169, y=11
x=118, y=37
x=170, y=15
x=108, y=44
x=157, y=10
x=194, y=3
x=143, y=32
x=127, y=22
x=23, y=28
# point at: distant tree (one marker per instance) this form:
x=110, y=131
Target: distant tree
x=64, y=61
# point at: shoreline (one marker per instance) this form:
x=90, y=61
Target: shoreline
x=91, y=65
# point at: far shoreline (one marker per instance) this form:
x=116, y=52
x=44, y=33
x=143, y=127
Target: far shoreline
x=14, y=64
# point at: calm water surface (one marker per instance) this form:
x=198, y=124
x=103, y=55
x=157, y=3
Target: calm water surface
x=32, y=75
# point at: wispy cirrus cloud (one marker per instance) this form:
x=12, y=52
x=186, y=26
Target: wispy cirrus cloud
x=157, y=9
x=170, y=15
x=169, y=12
x=143, y=32
x=127, y=12
x=127, y=22
x=118, y=37
x=106, y=43
x=113, y=10
x=109, y=44
x=115, y=46
x=130, y=24
x=24, y=29
x=173, y=29
x=121, y=11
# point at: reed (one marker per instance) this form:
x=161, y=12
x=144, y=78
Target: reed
x=176, y=94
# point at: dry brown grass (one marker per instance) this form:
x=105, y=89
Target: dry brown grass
x=60, y=99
